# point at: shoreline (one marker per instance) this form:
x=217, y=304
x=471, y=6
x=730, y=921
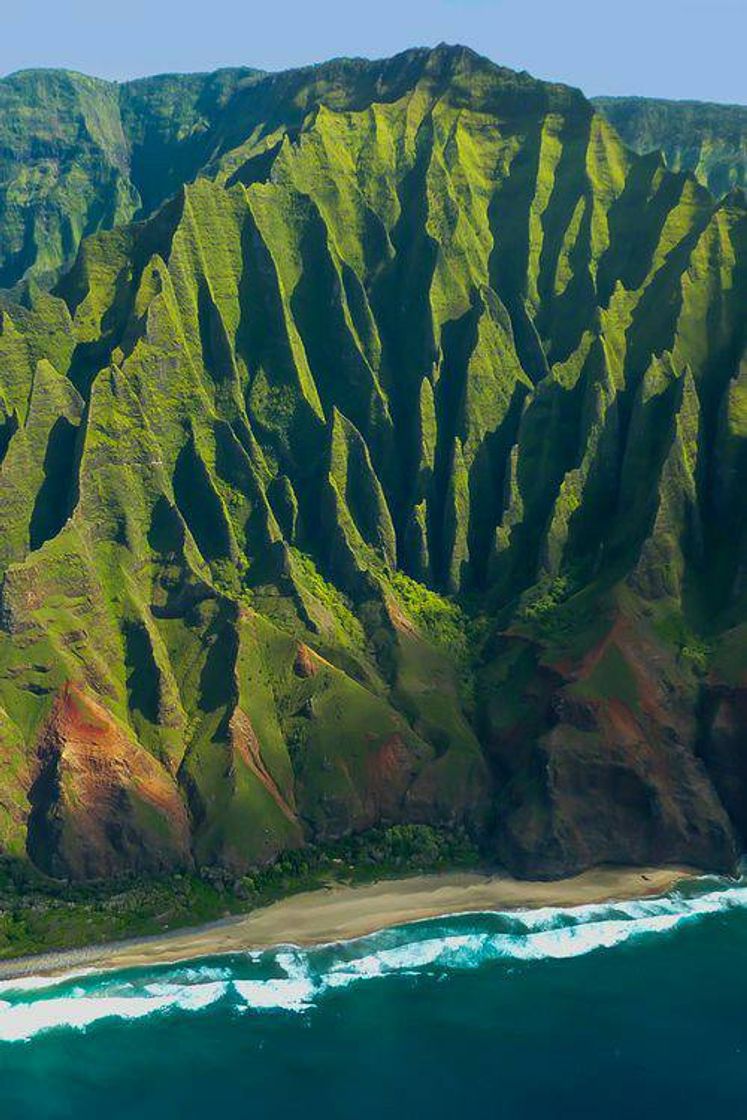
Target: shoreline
x=342, y=912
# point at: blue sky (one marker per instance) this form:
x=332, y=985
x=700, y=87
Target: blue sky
x=667, y=48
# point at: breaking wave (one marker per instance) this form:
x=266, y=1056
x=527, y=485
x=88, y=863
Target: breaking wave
x=290, y=979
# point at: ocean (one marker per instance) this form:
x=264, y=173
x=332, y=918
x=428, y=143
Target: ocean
x=635, y=1009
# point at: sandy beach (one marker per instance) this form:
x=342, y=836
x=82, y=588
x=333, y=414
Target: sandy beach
x=340, y=912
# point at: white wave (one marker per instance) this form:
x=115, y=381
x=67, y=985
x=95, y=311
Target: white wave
x=300, y=989
x=296, y=991
x=576, y=940
x=22, y=1021
x=412, y=957
x=286, y=995
x=547, y=934
x=180, y=974
x=37, y=983
x=674, y=904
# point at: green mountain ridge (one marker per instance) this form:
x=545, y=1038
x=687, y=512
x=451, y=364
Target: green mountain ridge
x=388, y=470
x=78, y=154
x=706, y=138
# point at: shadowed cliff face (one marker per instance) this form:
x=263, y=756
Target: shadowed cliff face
x=390, y=471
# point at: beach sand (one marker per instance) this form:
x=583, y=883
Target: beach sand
x=339, y=912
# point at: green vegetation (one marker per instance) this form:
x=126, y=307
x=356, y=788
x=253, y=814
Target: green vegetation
x=37, y=915
x=438, y=618
x=541, y=602
x=709, y=140
x=79, y=154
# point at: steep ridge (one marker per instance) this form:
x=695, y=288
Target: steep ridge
x=390, y=471
x=708, y=139
x=79, y=154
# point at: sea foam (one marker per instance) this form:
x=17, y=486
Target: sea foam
x=21, y=1021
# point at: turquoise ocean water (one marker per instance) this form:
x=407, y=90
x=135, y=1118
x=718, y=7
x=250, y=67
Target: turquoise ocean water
x=635, y=1009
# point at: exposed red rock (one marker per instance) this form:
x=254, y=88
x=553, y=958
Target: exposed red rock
x=399, y=619
x=307, y=663
x=101, y=805
x=593, y=774
x=389, y=770
x=245, y=743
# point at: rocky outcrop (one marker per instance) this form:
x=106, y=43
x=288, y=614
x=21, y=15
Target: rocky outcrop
x=101, y=806
x=610, y=769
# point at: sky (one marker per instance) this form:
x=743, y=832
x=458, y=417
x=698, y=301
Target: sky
x=659, y=48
